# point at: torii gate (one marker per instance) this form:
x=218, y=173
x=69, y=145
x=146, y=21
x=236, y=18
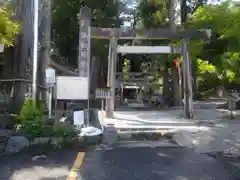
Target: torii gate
x=87, y=32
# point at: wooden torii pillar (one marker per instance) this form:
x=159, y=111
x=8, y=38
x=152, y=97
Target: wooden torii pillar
x=165, y=33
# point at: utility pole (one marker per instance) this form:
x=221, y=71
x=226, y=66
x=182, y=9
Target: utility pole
x=35, y=51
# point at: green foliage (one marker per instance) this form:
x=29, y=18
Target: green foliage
x=30, y=111
x=65, y=130
x=222, y=51
x=154, y=13
x=31, y=121
x=126, y=69
x=205, y=67
x=8, y=28
x=65, y=25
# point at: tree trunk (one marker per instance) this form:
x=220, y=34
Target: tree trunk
x=8, y=58
x=24, y=55
x=45, y=40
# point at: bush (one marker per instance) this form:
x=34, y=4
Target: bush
x=31, y=119
x=65, y=130
x=31, y=122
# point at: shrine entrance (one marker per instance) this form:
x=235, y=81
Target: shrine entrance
x=114, y=34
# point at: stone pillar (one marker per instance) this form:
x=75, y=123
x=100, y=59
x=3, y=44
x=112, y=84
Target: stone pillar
x=112, y=62
x=84, y=57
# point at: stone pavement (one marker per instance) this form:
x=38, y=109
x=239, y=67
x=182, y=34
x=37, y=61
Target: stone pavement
x=205, y=134
x=158, y=120
x=222, y=136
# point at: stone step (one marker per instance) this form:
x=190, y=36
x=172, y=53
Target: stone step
x=112, y=136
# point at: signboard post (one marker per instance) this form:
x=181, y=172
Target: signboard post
x=102, y=93
x=50, y=81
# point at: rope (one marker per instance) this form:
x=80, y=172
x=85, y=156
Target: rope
x=13, y=80
x=20, y=80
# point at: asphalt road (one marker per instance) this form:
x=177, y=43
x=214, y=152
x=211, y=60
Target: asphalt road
x=38, y=165
x=146, y=163
x=119, y=163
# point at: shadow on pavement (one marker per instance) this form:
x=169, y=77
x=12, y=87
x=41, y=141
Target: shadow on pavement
x=150, y=163
x=38, y=164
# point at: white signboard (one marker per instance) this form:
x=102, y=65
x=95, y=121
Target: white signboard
x=78, y=118
x=50, y=77
x=72, y=88
x=102, y=93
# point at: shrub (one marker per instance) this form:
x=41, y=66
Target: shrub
x=32, y=123
x=31, y=119
x=65, y=130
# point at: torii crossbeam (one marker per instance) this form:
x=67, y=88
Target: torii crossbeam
x=150, y=34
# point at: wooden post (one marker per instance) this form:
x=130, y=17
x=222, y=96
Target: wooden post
x=176, y=76
x=108, y=101
x=187, y=80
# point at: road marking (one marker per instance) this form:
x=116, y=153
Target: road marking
x=73, y=174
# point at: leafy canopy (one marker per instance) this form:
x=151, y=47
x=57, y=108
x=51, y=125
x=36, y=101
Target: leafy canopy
x=8, y=28
x=65, y=28
x=222, y=51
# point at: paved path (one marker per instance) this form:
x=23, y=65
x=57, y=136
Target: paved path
x=122, y=162
x=221, y=137
x=162, y=120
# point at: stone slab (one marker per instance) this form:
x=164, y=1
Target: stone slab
x=221, y=138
